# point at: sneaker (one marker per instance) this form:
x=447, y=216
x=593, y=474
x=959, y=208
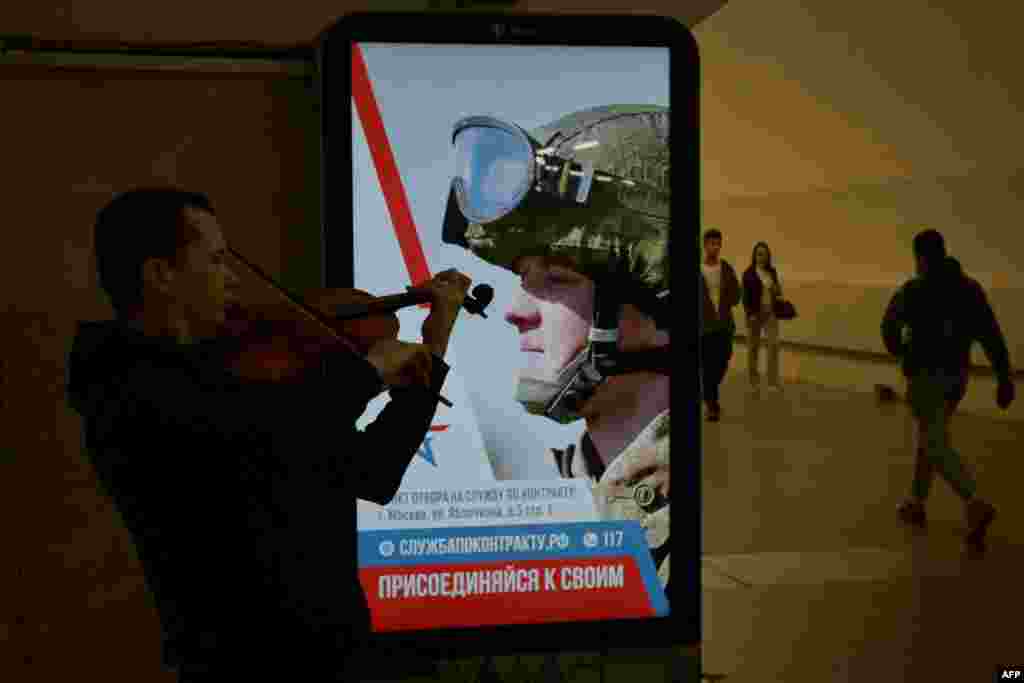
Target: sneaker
x=912, y=512
x=775, y=388
x=979, y=516
x=714, y=412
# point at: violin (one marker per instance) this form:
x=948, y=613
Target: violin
x=282, y=342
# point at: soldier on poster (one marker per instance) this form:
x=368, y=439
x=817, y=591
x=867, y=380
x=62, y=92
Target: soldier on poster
x=579, y=210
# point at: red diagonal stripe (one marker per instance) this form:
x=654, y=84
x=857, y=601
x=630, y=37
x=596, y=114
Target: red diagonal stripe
x=387, y=170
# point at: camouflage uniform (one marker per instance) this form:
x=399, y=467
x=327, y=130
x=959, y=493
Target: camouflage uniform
x=624, y=226
x=618, y=499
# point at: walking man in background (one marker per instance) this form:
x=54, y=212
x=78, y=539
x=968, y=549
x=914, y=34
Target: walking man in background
x=931, y=323
x=721, y=293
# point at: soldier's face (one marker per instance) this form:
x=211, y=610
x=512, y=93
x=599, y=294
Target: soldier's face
x=552, y=312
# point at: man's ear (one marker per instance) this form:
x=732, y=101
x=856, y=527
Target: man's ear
x=158, y=274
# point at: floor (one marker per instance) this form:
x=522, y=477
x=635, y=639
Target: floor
x=807, y=574
x=809, y=577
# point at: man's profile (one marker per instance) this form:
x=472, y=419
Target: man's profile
x=579, y=211
x=238, y=493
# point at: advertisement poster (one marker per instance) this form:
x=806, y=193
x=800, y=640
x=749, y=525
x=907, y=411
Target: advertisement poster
x=530, y=170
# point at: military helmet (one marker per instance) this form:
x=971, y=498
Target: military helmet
x=592, y=187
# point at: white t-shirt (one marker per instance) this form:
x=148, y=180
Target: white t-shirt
x=713, y=278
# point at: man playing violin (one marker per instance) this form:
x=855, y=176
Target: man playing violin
x=239, y=492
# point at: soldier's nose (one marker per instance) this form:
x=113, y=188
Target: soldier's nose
x=524, y=321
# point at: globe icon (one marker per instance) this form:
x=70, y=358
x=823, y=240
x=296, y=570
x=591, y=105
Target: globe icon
x=590, y=539
x=387, y=548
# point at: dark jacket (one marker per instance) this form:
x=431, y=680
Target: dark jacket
x=240, y=496
x=722, y=319
x=945, y=314
x=753, y=289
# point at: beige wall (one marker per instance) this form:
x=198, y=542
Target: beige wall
x=800, y=94
x=848, y=317
x=863, y=375
x=845, y=128
x=860, y=233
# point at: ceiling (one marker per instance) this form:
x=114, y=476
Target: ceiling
x=200, y=21
x=832, y=93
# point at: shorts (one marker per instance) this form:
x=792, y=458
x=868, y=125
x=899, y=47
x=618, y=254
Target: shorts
x=929, y=390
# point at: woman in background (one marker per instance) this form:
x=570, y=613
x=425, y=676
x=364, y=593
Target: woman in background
x=761, y=288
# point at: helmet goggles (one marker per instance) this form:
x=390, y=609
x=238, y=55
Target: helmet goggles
x=497, y=165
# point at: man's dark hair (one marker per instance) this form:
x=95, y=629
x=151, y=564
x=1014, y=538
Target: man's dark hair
x=930, y=246
x=135, y=226
x=713, y=234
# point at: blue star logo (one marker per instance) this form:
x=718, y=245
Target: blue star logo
x=425, y=451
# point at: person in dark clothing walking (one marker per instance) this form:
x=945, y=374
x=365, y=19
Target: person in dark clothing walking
x=720, y=290
x=761, y=289
x=931, y=323
x=239, y=494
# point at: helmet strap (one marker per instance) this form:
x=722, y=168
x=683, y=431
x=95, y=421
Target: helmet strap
x=604, y=332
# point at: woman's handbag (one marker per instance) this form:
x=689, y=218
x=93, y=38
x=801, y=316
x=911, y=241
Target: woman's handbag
x=784, y=309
